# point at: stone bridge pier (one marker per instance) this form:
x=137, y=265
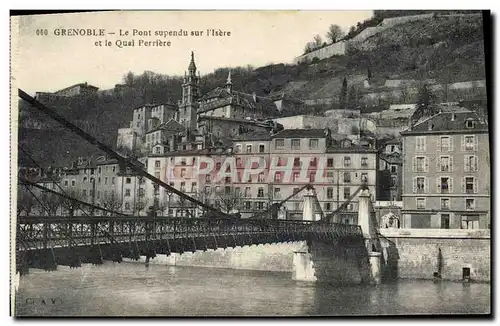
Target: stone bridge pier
x=341, y=262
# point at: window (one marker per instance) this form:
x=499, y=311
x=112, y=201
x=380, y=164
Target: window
x=261, y=148
x=73, y=183
x=99, y=170
x=157, y=164
x=157, y=174
x=445, y=185
x=128, y=180
x=470, y=204
x=445, y=203
x=364, y=177
x=444, y=164
x=469, y=124
x=193, y=187
x=260, y=205
x=248, y=205
x=470, y=163
x=420, y=164
x=313, y=143
x=420, y=144
x=237, y=149
x=84, y=192
x=328, y=206
x=329, y=175
x=295, y=190
x=347, y=192
x=208, y=178
x=469, y=142
x=217, y=166
x=183, y=187
x=470, y=222
x=141, y=192
x=295, y=176
x=329, y=162
x=217, y=190
x=105, y=180
x=279, y=143
x=247, y=192
x=84, y=179
x=99, y=194
x=296, y=206
x=394, y=181
x=249, y=148
x=347, y=161
x=445, y=221
x=420, y=203
x=277, y=177
x=347, y=177
x=329, y=192
x=393, y=168
x=261, y=177
x=445, y=143
x=364, y=162
x=208, y=190
x=314, y=161
x=312, y=177
x=277, y=193
x=227, y=190
x=260, y=192
x=127, y=192
x=99, y=180
x=127, y=206
x=295, y=143
x=420, y=185
x=227, y=180
x=469, y=185
x=65, y=183
x=114, y=168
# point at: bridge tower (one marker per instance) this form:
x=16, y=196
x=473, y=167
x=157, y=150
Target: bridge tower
x=369, y=228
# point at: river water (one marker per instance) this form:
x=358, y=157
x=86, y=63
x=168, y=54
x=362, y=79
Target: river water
x=131, y=289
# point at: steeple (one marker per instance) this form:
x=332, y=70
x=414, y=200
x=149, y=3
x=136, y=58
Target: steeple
x=229, y=83
x=192, y=66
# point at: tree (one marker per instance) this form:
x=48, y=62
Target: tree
x=352, y=101
x=140, y=205
x=111, y=201
x=230, y=201
x=317, y=41
x=71, y=205
x=426, y=103
x=334, y=33
x=51, y=203
x=343, y=95
x=25, y=202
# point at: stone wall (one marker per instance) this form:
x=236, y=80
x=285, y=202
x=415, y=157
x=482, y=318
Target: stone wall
x=418, y=253
x=338, y=48
x=269, y=257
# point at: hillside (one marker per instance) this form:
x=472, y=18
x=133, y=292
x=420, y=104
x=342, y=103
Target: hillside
x=447, y=49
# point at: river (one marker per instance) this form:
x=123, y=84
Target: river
x=131, y=289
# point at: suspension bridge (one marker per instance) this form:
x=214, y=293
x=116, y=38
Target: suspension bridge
x=48, y=241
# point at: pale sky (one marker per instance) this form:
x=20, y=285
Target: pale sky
x=48, y=63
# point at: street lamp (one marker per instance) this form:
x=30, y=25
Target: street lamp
x=92, y=179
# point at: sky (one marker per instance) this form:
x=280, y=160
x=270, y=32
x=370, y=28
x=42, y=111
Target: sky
x=50, y=62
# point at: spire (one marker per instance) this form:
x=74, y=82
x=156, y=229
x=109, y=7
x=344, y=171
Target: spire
x=192, y=66
x=229, y=83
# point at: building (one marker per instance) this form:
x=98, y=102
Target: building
x=73, y=90
x=446, y=172
x=389, y=172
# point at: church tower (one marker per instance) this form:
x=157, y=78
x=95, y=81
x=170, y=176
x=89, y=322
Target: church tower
x=188, y=106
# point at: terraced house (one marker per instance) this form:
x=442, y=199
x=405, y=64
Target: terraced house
x=446, y=172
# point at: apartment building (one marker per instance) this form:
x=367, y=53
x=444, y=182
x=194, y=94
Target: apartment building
x=446, y=172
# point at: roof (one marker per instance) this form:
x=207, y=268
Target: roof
x=238, y=121
x=192, y=152
x=394, y=141
x=443, y=122
x=393, y=158
x=149, y=105
x=79, y=84
x=171, y=125
x=301, y=133
x=249, y=136
x=262, y=104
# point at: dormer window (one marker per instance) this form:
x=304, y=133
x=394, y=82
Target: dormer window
x=469, y=124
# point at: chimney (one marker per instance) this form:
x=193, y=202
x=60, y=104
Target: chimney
x=429, y=125
x=453, y=116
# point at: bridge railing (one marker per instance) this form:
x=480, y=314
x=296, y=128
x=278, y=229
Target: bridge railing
x=39, y=232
